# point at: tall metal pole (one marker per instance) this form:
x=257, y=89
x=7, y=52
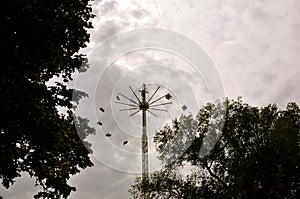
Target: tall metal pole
x=144, y=106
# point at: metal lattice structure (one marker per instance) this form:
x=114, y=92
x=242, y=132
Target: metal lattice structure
x=145, y=105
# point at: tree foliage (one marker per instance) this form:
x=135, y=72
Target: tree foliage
x=256, y=156
x=40, y=40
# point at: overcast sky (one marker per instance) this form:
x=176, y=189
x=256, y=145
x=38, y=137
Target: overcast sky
x=252, y=48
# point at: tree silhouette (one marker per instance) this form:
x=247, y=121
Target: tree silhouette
x=256, y=156
x=40, y=40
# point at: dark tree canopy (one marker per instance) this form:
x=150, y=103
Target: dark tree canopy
x=257, y=155
x=40, y=40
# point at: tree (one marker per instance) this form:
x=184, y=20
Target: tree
x=256, y=156
x=40, y=40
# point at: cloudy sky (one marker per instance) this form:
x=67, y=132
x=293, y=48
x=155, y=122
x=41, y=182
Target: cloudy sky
x=245, y=48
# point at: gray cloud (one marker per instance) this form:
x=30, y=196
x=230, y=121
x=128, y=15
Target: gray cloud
x=101, y=182
x=249, y=41
x=23, y=188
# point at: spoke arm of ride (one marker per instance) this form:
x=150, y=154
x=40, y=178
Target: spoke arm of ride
x=128, y=104
x=135, y=113
x=152, y=113
x=153, y=94
x=158, y=99
x=157, y=109
x=128, y=99
x=128, y=109
x=161, y=104
x=135, y=94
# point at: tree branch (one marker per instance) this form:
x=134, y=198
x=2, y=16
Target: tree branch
x=205, y=164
